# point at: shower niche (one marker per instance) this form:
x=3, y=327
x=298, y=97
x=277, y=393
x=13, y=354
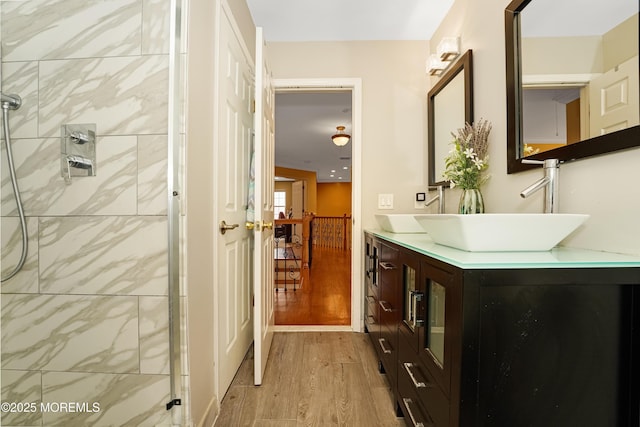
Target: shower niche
x=78, y=151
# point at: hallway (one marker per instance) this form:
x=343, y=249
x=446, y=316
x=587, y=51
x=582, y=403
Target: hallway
x=325, y=299
x=313, y=378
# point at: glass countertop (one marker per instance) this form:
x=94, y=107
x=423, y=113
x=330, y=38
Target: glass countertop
x=558, y=257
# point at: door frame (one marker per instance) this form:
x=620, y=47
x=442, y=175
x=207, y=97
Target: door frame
x=355, y=86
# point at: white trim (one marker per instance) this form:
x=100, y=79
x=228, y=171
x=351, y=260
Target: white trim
x=355, y=85
x=557, y=79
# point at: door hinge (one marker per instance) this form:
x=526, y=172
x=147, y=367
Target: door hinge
x=253, y=106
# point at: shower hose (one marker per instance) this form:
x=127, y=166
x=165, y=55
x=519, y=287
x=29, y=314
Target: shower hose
x=16, y=193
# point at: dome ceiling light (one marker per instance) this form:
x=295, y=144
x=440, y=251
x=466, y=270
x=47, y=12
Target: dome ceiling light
x=340, y=138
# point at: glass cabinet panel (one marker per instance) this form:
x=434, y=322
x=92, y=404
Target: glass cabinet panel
x=435, y=321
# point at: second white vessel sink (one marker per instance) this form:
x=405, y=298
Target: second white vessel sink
x=500, y=232
x=399, y=223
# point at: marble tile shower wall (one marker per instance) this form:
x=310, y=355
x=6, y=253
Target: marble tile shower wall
x=86, y=320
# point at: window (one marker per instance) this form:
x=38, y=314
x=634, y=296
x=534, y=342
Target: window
x=279, y=203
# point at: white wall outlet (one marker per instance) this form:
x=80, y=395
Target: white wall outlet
x=385, y=201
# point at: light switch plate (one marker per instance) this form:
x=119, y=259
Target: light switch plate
x=385, y=201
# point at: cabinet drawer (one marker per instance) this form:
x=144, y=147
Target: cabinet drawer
x=414, y=415
x=388, y=348
x=415, y=380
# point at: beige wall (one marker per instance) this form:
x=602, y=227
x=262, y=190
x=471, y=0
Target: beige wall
x=621, y=43
x=394, y=88
x=588, y=54
x=199, y=206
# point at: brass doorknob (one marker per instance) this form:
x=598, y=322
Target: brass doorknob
x=224, y=226
x=267, y=225
x=250, y=225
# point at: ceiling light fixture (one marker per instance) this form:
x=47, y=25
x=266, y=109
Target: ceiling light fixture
x=340, y=138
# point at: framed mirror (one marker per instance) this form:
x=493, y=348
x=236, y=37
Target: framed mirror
x=572, y=79
x=450, y=106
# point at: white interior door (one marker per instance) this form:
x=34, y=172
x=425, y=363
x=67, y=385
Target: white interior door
x=234, y=124
x=614, y=99
x=264, y=183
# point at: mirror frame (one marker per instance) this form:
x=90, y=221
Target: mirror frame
x=465, y=63
x=615, y=141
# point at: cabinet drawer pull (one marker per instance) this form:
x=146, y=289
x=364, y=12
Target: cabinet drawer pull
x=384, y=349
x=387, y=265
x=370, y=299
x=371, y=320
x=407, y=403
x=385, y=306
x=416, y=383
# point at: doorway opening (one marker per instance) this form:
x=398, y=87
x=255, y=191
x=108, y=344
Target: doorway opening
x=316, y=279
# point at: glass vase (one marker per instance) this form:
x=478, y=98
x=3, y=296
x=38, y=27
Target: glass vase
x=471, y=201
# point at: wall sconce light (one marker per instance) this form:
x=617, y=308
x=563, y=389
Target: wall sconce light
x=435, y=66
x=449, y=48
x=340, y=138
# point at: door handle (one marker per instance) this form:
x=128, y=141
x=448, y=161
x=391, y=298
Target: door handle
x=250, y=225
x=267, y=225
x=416, y=383
x=224, y=226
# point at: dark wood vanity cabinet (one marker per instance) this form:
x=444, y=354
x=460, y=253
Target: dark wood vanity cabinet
x=511, y=346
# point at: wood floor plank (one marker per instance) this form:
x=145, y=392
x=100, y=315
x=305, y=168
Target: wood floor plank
x=275, y=423
x=317, y=404
x=355, y=406
x=231, y=409
x=312, y=379
x=281, y=385
x=325, y=299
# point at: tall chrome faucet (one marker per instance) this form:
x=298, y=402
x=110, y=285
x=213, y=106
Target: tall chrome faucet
x=549, y=182
x=439, y=197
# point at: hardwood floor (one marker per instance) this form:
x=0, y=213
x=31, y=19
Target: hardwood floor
x=325, y=299
x=312, y=379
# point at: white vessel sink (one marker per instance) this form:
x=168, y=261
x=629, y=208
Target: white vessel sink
x=399, y=223
x=500, y=232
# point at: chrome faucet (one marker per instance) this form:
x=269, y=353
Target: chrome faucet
x=549, y=182
x=439, y=197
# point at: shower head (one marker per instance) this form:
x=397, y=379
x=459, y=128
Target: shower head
x=10, y=101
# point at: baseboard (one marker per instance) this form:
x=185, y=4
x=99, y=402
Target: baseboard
x=312, y=328
x=211, y=414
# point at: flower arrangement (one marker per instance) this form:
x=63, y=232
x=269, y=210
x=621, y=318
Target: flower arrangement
x=467, y=161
